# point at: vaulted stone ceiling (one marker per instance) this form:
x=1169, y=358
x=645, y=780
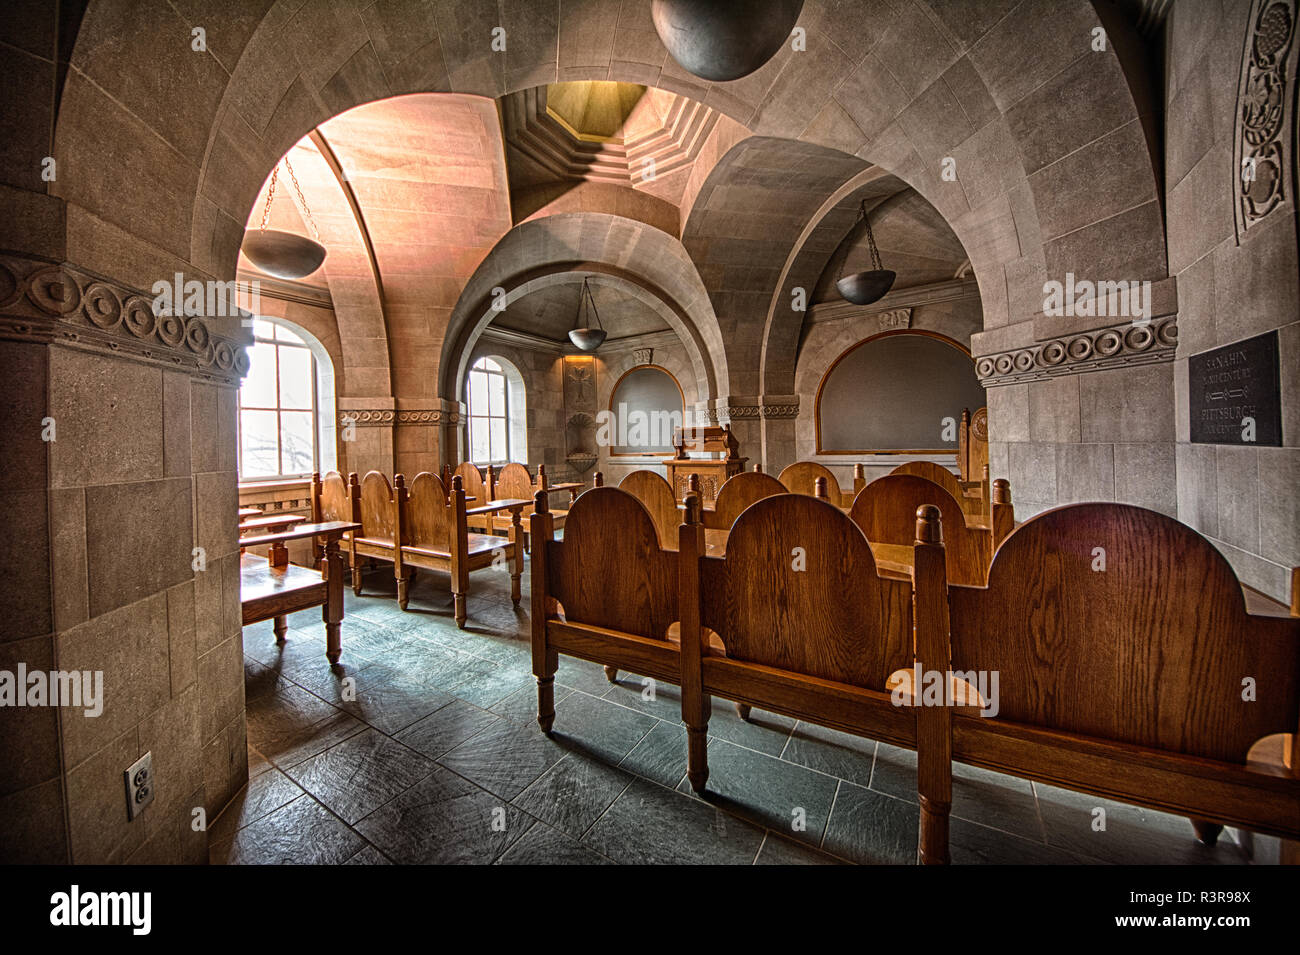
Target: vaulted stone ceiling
x=550, y=312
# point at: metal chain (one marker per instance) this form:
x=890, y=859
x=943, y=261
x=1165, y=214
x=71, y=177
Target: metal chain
x=270, y=196
x=871, y=240
x=302, y=199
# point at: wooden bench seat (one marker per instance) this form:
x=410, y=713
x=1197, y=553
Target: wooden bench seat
x=271, y=588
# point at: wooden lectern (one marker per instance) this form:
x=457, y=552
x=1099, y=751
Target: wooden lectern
x=718, y=459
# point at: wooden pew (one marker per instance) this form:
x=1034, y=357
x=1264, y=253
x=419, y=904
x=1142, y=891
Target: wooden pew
x=607, y=592
x=513, y=482
x=885, y=511
x=738, y=493
x=656, y=494
x=271, y=588
x=815, y=641
x=801, y=478
x=1126, y=682
x=429, y=532
x=432, y=528
x=973, y=498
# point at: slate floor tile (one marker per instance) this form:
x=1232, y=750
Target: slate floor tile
x=446, y=728
x=649, y=825
x=832, y=752
x=763, y=731
x=301, y=833
x=647, y=695
x=573, y=793
x=871, y=829
x=369, y=855
x=388, y=699
x=660, y=756
x=780, y=851
x=363, y=772
x=1132, y=835
x=505, y=758
x=582, y=675
x=972, y=844
x=599, y=728
x=542, y=845
x=444, y=819
x=521, y=705
x=264, y=793
x=772, y=793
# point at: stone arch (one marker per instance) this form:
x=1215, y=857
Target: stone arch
x=929, y=81
x=635, y=257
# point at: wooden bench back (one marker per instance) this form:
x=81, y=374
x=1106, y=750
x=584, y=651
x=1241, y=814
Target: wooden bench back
x=656, y=494
x=798, y=590
x=801, y=478
x=472, y=480
x=1151, y=651
x=425, y=520
x=973, y=444
x=331, y=500
x=739, y=492
x=609, y=570
x=512, y=481
x=937, y=473
x=885, y=511
x=377, y=517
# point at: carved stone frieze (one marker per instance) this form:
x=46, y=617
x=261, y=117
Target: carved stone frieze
x=387, y=417
x=1115, y=347
x=52, y=302
x=1265, y=98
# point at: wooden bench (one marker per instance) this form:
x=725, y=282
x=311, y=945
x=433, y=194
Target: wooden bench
x=801, y=478
x=885, y=510
x=974, y=497
x=656, y=494
x=814, y=638
x=606, y=593
x=427, y=528
x=1148, y=681
x=271, y=588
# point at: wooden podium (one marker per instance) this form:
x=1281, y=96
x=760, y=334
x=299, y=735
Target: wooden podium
x=719, y=458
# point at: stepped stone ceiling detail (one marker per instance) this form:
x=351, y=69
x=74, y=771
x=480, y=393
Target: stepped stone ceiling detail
x=618, y=133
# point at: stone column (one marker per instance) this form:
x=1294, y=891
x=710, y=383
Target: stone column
x=121, y=562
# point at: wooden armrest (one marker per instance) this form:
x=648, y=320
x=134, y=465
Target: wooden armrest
x=330, y=530
x=509, y=504
x=565, y=486
x=271, y=520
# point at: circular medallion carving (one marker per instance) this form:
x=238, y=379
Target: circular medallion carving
x=1053, y=353
x=102, y=306
x=1108, y=343
x=1139, y=337
x=196, y=336
x=171, y=329
x=979, y=424
x=241, y=362
x=984, y=367
x=53, y=291
x=11, y=289
x=1003, y=364
x=138, y=316
x=1079, y=348
x=1168, y=333
x=224, y=356
x=1023, y=360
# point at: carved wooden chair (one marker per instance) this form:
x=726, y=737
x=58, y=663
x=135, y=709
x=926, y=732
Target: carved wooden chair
x=974, y=499
x=656, y=494
x=801, y=478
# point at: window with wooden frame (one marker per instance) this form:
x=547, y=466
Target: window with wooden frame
x=278, y=406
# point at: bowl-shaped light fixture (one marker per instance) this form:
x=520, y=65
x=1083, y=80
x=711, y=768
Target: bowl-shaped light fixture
x=863, y=288
x=285, y=255
x=724, y=40
x=588, y=339
x=585, y=335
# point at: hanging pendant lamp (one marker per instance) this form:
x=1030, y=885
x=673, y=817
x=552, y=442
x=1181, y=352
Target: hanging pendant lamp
x=724, y=40
x=584, y=335
x=285, y=255
x=863, y=288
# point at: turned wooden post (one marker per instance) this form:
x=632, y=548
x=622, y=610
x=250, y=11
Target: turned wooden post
x=933, y=723
x=545, y=660
x=354, y=501
x=696, y=704
x=399, y=538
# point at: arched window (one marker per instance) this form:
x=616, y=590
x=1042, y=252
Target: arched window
x=497, y=419
x=645, y=407
x=896, y=392
x=286, y=405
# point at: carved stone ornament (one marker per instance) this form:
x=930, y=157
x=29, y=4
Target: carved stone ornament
x=895, y=318
x=1115, y=347
x=1265, y=103
x=643, y=356
x=42, y=301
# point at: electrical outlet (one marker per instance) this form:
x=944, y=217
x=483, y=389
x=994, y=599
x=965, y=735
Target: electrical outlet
x=139, y=785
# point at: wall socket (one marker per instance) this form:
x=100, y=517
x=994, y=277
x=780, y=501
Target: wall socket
x=139, y=785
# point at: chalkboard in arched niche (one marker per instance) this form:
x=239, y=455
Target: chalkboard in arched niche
x=644, y=408
x=899, y=391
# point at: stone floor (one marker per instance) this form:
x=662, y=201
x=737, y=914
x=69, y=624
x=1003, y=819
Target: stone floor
x=422, y=747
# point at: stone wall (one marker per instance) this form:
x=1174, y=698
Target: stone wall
x=1232, y=284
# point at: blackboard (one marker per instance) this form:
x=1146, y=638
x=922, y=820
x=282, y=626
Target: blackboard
x=1234, y=383
x=900, y=392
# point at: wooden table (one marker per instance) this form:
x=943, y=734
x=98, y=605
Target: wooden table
x=892, y=560
x=273, y=588
x=249, y=512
